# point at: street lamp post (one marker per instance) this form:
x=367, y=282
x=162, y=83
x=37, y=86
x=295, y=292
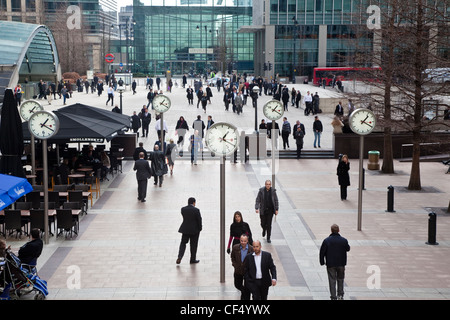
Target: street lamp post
x=294, y=44
x=120, y=90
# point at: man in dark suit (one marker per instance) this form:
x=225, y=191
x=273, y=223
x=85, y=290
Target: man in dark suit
x=190, y=230
x=266, y=205
x=143, y=173
x=238, y=254
x=138, y=150
x=259, y=272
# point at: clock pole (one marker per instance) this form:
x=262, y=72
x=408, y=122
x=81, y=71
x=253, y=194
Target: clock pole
x=222, y=220
x=361, y=165
x=45, y=167
x=273, y=136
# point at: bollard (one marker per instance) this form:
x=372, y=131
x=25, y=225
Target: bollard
x=390, y=199
x=432, y=229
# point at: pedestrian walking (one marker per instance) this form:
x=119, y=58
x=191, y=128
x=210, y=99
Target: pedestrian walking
x=298, y=136
x=308, y=103
x=190, y=95
x=343, y=177
x=266, y=205
x=143, y=173
x=180, y=130
x=333, y=254
x=146, y=118
x=317, y=128
x=159, y=166
x=204, y=101
x=135, y=123
x=190, y=230
x=239, y=102
x=260, y=272
x=238, y=228
x=110, y=92
x=171, y=153
x=138, y=150
x=238, y=254
x=285, y=132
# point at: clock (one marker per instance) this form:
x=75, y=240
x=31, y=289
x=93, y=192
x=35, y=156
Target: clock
x=27, y=108
x=273, y=110
x=362, y=121
x=161, y=103
x=43, y=124
x=222, y=138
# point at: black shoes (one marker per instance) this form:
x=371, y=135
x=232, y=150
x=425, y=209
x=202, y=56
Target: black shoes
x=194, y=261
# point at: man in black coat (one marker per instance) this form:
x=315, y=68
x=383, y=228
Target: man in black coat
x=146, y=119
x=135, y=124
x=143, y=173
x=259, y=272
x=138, y=151
x=266, y=205
x=333, y=253
x=190, y=230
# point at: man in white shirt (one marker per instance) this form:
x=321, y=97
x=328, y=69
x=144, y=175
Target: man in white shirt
x=110, y=92
x=308, y=103
x=259, y=272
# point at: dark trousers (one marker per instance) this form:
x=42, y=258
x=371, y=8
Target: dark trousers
x=193, y=239
x=343, y=192
x=266, y=223
x=258, y=290
x=239, y=284
x=160, y=178
x=142, y=189
x=336, y=276
x=285, y=136
x=299, y=151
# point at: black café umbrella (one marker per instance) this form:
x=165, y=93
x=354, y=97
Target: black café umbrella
x=11, y=137
x=84, y=128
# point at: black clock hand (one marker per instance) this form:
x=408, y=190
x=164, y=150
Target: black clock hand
x=43, y=124
x=49, y=128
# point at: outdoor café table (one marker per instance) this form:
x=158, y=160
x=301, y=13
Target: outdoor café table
x=75, y=176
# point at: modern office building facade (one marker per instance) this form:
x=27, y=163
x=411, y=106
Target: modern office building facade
x=191, y=36
x=294, y=36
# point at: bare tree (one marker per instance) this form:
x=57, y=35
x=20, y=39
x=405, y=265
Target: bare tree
x=70, y=42
x=407, y=44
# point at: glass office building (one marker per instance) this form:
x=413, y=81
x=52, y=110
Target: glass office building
x=191, y=36
x=295, y=36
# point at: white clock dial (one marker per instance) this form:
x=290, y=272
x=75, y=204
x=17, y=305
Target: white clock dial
x=43, y=124
x=362, y=121
x=161, y=103
x=273, y=110
x=222, y=138
x=27, y=108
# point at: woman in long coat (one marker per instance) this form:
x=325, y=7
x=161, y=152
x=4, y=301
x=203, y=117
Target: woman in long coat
x=343, y=177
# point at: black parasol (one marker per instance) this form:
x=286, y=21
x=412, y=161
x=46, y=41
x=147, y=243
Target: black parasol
x=11, y=137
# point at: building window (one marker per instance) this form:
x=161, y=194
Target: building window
x=16, y=6
x=31, y=5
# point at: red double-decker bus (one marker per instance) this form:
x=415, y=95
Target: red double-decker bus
x=343, y=73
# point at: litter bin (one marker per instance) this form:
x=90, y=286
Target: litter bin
x=374, y=158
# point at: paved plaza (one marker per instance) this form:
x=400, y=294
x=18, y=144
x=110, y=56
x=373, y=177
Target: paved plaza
x=127, y=249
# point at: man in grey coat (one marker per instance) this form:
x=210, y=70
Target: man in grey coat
x=266, y=205
x=143, y=173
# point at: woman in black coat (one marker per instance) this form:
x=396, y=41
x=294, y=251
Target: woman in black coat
x=343, y=177
x=238, y=228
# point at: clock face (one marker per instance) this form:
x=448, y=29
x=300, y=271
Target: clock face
x=362, y=121
x=273, y=110
x=222, y=138
x=43, y=124
x=161, y=103
x=27, y=108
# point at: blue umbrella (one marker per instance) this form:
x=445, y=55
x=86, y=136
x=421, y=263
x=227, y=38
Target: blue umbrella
x=12, y=188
